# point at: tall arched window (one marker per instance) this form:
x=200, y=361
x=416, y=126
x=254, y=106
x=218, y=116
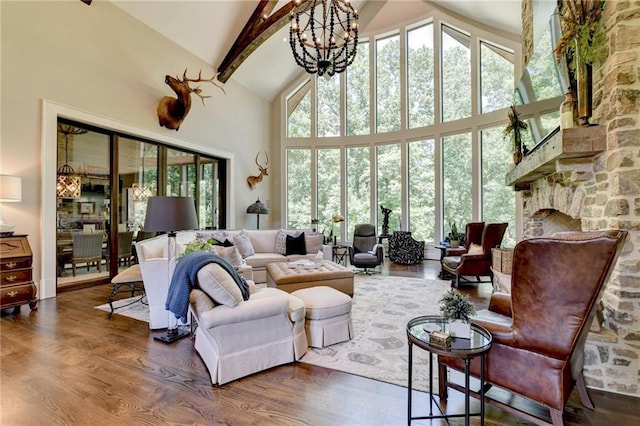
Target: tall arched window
x=423, y=108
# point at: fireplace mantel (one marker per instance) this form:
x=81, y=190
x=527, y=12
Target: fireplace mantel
x=574, y=143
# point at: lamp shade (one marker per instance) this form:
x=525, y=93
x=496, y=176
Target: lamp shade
x=10, y=189
x=168, y=214
x=258, y=208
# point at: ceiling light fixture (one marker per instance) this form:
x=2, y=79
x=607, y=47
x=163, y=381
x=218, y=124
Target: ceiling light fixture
x=68, y=183
x=323, y=35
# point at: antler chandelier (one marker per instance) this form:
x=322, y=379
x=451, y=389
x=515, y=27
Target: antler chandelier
x=68, y=183
x=323, y=35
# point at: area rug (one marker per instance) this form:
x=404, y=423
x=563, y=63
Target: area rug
x=382, y=307
x=132, y=307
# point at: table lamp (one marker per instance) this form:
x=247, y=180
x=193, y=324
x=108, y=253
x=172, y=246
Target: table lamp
x=258, y=208
x=10, y=192
x=170, y=214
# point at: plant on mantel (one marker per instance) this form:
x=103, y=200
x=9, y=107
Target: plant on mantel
x=583, y=44
x=514, y=129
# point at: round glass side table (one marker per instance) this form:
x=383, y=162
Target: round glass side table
x=478, y=344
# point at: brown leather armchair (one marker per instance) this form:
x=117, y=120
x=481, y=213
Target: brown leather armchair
x=472, y=235
x=472, y=263
x=539, y=331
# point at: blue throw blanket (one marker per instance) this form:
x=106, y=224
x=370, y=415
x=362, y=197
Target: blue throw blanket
x=185, y=277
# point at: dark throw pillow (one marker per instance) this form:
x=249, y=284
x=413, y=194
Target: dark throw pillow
x=296, y=245
x=226, y=242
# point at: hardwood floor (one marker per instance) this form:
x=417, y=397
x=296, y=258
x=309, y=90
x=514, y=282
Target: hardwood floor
x=68, y=364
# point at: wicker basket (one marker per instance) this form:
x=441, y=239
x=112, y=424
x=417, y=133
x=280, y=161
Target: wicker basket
x=502, y=258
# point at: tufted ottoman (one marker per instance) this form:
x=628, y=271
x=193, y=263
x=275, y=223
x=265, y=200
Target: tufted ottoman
x=330, y=274
x=328, y=315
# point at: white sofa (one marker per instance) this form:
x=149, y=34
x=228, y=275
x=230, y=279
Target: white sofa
x=153, y=253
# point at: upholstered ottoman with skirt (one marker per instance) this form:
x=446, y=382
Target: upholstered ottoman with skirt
x=328, y=315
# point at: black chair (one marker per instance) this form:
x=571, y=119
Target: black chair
x=404, y=249
x=366, y=253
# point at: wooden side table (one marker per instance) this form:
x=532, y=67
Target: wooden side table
x=16, y=280
x=339, y=254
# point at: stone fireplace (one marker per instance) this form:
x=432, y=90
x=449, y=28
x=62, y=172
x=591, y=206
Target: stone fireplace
x=588, y=178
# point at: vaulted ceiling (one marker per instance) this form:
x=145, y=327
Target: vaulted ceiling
x=210, y=29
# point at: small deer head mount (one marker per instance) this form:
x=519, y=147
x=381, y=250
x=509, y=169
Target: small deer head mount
x=254, y=180
x=172, y=111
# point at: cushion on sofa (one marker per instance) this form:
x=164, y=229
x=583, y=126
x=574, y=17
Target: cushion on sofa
x=260, y=260
x=231, y=255
x=219, y=235
x=219, y=285
x=243, y=243
x=281, y=239
x=263, y=240
x=313, y=242
x=295, y=245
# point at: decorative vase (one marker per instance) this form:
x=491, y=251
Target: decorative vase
x=568, y=111
x=517, y=146
x=455, y=243
x=584, y=88
x=460, y=329
x=517, y=157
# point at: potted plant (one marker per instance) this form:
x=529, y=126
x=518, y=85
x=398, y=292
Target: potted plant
x=454, y=236
x=515, y=126
x=583, y=44
x=457, y=308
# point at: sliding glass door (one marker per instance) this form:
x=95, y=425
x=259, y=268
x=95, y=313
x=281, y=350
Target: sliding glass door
x=104, y=180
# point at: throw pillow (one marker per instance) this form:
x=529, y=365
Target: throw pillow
x=475, y=249
x=219, y=235
x=281, y=240
x=295, y=245
x=225, y=243
x=313, y=242
x=243, y=243
x=219, y=285
x=231, y=255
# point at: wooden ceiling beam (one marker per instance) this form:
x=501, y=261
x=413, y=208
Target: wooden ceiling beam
x=257, y=30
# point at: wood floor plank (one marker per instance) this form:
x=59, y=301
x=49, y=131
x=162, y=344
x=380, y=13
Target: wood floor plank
x=70, y=364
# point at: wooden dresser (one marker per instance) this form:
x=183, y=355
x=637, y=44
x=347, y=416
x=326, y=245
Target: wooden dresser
x=16, y=279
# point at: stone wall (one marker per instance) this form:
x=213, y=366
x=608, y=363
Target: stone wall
x=604, y=193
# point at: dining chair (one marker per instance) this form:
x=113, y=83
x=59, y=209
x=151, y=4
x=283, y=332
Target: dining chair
x=87, y=248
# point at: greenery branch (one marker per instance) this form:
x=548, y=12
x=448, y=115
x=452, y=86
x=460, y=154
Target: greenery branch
x=515, y=126
x=582, y=28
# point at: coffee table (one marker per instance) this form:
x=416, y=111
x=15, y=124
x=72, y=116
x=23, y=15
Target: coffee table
x=287, y=278
x=466, y=349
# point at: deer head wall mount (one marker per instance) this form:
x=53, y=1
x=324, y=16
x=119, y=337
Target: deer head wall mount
x=254, y=180
x=172, y=111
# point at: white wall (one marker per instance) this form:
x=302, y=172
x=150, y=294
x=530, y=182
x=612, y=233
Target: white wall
x=98, y=64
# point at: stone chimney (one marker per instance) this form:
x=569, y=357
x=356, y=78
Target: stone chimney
x=589, y=178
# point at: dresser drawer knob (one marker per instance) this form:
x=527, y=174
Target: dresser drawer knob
x=12, y=293
x=12, y=265
x=11, y=278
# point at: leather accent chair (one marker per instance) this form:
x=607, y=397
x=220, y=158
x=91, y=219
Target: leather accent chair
x=539, y=331
x=472, y=263
x=404, y=249
x=472, y=235
x=365, y=252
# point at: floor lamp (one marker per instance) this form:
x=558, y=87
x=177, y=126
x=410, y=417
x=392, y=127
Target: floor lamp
x=258, y=208
x=170, y=214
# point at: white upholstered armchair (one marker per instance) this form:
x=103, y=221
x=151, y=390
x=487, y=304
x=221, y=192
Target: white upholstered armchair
x=235, y=337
